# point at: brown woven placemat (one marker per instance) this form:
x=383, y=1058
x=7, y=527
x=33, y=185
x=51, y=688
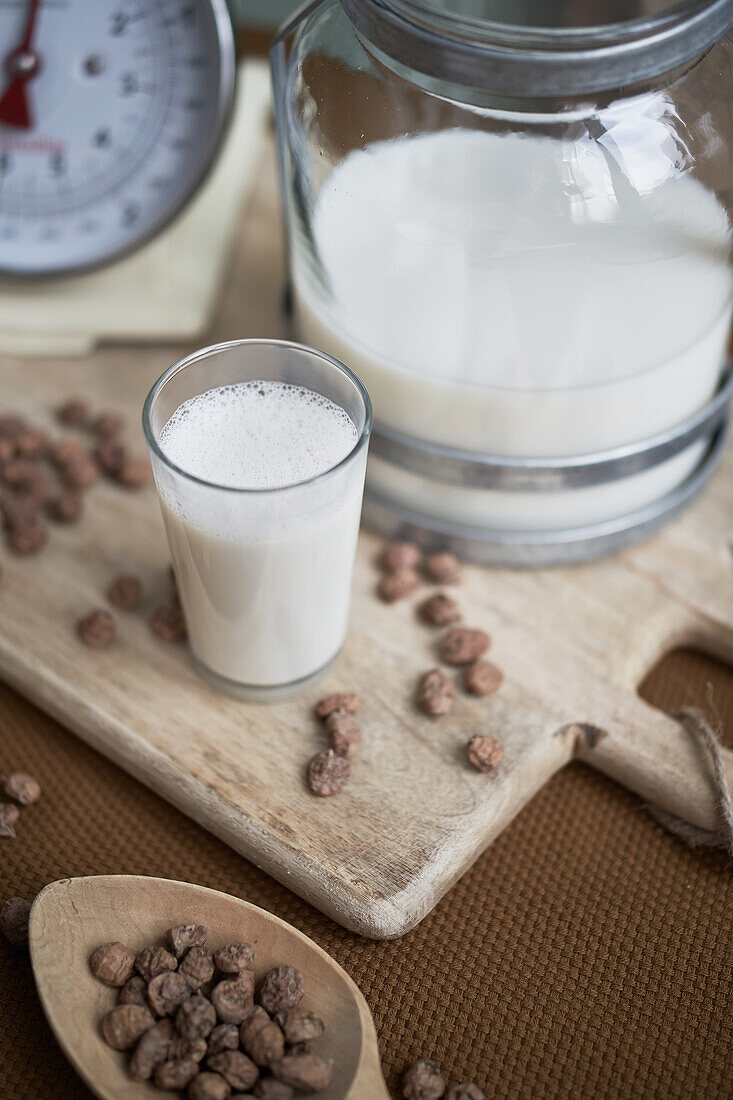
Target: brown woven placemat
x=586, y=954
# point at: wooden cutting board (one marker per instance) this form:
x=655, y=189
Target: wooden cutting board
x=573, y=643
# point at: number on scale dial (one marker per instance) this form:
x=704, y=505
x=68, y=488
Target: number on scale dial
x=111, y=112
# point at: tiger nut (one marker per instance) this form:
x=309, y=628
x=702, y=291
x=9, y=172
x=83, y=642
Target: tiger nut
x=484, y=753
x=232, y=997
x=482, y=678
x=307, y=1072
x=299, y=1025
x=112, y=963
x=236, y=1068
x=235, y=957
x=125, y=1024
x=443, y=568
x=23, y=788
x=397, y=585
x=14, y=916
x=209, y=1086
x=461, y=646
x=347, y=701
x=400, y=555
x=439, y=610
x=154, y=960
x=166, y=991
x=197, y=967
x=435, y=694
x=183, y=936
x=344, y=733
x=423, y=1081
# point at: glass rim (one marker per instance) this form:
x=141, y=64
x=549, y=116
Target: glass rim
x=613, y=32
x=216, y=349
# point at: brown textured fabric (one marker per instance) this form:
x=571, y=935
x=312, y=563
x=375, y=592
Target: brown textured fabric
x=587, y=953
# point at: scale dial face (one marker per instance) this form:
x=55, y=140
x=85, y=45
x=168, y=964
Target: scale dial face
x=111, y=113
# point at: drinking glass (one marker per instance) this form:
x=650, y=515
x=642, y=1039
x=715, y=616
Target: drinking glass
x=264, y=575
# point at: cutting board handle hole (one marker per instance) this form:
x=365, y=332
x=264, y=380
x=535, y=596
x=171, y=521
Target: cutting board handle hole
x=694, y=675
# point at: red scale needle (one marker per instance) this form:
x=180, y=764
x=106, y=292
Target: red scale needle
x=22, y=64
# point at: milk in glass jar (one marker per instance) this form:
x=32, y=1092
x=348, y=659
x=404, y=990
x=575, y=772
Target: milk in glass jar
x=512, y=219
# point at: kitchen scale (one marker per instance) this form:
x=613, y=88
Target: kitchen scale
x=128, y=140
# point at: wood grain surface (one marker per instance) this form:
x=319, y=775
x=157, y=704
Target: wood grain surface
x=573, y=644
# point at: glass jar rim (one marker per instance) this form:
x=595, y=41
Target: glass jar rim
x=525, y=61
x=215, y=349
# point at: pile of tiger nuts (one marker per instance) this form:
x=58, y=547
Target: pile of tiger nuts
x=97, y=629
x=44, y=478
x=199, y=1020
x=403, y=569
x=424, y=1081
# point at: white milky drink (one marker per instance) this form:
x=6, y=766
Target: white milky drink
x=263, y=528
x=523, y=296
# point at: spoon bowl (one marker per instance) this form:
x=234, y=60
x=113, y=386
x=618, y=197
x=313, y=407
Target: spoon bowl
x=72, y=917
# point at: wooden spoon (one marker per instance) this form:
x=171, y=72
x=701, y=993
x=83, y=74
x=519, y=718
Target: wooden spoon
x=72, y=917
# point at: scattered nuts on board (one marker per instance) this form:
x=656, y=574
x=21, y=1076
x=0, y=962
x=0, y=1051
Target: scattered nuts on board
x=96, y=629
x=25, y=539
x=107, y=425
x=400, y=555
x=247, y=1053
x=14, y=916
x=328, y=773
x=40, y=476
x=125, y=592
x=346, y=701
x=461, y=646
x=344, y=733
x=443, y=568
x=398, y=584
x=484, y=753
x=482, y=678
x=9, y=815
x=439, y=610
x=435, y=694
x=112, y=456
x=74, y=414
x=80, y=472
x=134, y=474
x=167, y=622
x=23, y=788
x=65, y=507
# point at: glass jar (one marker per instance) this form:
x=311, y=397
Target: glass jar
x=513, y=221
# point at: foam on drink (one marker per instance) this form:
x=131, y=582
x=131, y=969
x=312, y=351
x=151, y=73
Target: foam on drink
x=258, y=435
